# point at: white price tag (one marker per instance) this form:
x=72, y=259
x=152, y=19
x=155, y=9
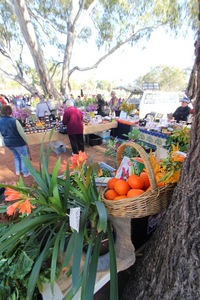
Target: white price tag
x=74, y=218
x=123, y=115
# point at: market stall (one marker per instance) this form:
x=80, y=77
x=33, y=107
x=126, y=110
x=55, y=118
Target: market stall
x=150, y=136
x=37, y=138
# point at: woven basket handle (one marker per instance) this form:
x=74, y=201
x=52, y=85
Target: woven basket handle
x=145, y=158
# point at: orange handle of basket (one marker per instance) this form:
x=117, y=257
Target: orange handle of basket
x=145, y=158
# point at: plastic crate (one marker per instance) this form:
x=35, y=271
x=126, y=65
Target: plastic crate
x=105, y=166
x=58, y=147
x=104, y=134
x=94, y=140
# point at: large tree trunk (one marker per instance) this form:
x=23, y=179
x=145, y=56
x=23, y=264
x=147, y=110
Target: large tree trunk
x=65, y=85
x=170, y=267
x=33, y=43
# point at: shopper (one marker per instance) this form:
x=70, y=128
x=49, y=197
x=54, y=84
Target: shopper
x=73, y=119
x=101, y=104
x=43, y=109
x=14, y=139
x=183, y=111
x=114, y=104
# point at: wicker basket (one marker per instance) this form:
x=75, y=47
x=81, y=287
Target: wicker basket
x=149, y=203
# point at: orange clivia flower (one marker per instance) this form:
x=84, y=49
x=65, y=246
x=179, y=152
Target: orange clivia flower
x=23, y=206
x=26, y=206
x=11, y=195
x=77, y=160
x=12, y=208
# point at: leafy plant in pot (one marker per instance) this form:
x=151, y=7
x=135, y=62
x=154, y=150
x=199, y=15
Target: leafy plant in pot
x=41, y=236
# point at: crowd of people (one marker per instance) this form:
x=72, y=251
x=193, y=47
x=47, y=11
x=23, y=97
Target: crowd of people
x=14, y=137
x=47, y=105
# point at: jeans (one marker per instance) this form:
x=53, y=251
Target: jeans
x=18, y=152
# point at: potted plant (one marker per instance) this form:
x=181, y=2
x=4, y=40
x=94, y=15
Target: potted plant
x=127, y=107
x=40, y=243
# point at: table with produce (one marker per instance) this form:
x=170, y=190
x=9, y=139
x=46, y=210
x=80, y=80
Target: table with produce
x=40, y=131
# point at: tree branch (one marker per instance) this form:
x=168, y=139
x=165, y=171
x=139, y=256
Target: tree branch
x=53, y=70
x=30, y=87
x=76, y=68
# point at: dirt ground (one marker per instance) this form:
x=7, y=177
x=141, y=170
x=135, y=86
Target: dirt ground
x=7, y=168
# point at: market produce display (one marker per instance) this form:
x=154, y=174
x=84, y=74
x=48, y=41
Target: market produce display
x=178, y=137
x=167, y=170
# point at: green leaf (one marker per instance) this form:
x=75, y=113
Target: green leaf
x=113, y=265
x=54, y=176
x=41, y=183
x=72, y=292
x=78, y=246
x=93, y=268
x=15, y=232
x=67, y=186
x=103, y=216
x=55, y=255
x=3, y=209
x=23, y=266
x=69, y=250
x=34, y=276
x=87, y=264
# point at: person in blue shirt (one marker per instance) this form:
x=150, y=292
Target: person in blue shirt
x=14, y=139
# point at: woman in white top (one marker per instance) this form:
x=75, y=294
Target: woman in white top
x=43, y=109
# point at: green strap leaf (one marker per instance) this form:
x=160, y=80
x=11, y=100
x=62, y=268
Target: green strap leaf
x=36, y=268
x=113, y=265
x=93, y=268
x=54, y=259
x=103, y=216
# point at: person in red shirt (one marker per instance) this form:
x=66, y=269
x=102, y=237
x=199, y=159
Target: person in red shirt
x=3, y=101
x=73, y=119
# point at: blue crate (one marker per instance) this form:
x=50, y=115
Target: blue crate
x=104, y=166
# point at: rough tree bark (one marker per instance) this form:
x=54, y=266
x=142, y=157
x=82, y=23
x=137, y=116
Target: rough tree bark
x=34, y=46
x=170, y=267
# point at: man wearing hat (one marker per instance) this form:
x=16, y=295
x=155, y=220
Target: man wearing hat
x=183, y=111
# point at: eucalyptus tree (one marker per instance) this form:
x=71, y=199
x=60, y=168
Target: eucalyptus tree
x=169, y=78
x=60, y=26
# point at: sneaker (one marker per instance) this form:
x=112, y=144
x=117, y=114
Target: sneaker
x=17, y=173
x=26, y=175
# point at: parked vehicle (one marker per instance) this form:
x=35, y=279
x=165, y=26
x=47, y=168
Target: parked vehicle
x=157, y=103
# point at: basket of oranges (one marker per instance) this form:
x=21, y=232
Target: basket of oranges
x=138, y=195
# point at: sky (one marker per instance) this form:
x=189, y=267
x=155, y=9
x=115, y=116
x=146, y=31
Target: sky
x=128, y=63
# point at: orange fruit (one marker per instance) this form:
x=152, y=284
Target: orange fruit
x=120, y=197
x=145, y=178
x=134, y=192
x=135, y=182
x=110, y=183
x=121, y=187
x=110, y=194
